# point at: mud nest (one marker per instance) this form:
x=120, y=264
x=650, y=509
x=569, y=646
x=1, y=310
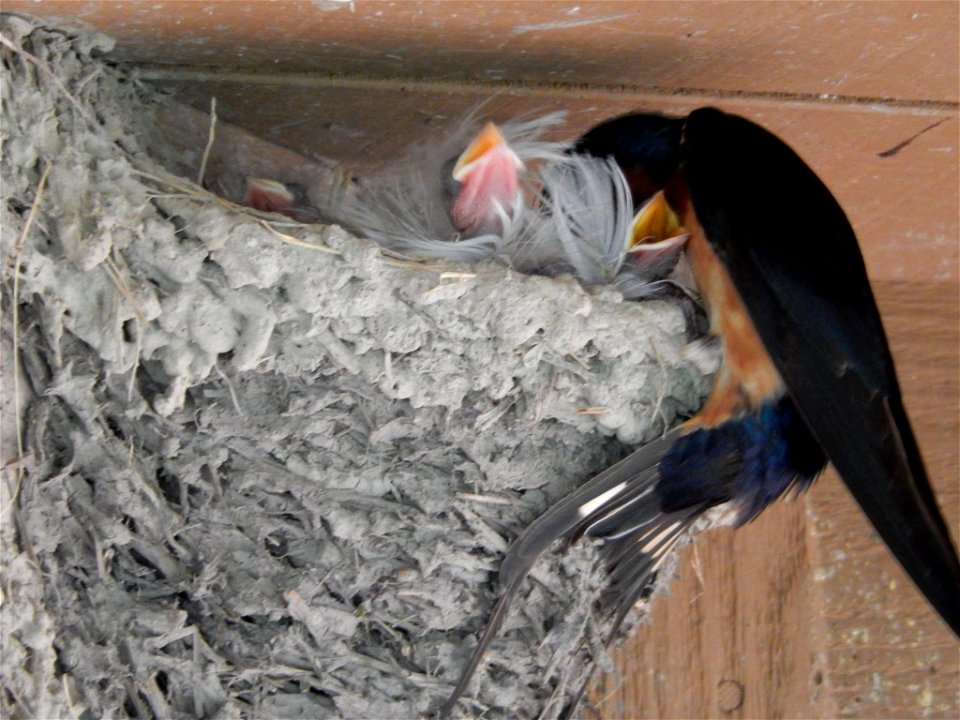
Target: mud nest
x=257, y=468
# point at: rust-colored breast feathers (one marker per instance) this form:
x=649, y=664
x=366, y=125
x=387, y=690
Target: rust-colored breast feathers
x=747, y=377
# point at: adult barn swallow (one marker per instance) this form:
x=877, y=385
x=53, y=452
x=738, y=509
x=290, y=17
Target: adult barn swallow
x=806, y=377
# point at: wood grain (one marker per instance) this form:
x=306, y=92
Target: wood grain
x=732, y=638
x=886, y=654
x=853, y=49
x=804, y=613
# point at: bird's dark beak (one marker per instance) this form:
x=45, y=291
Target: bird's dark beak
x=655, y=231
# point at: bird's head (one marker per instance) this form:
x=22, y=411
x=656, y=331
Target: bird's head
x=656, y=235
x=485, y=193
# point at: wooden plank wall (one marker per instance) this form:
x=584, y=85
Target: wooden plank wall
x=803, y=613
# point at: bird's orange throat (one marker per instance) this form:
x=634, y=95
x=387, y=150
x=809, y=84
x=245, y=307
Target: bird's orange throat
x=747, y=377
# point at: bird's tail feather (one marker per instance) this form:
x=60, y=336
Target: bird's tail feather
x=634, y=559
x=586, y=502
x=497, y=616
x=620, y=507
x=634, y=553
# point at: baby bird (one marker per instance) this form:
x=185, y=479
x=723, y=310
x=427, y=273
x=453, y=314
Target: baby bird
x=461, y=200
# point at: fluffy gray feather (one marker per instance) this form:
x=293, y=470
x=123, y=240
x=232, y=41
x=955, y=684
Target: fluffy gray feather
x=405, y=210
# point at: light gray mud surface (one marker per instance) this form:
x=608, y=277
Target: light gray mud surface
x=262, y=480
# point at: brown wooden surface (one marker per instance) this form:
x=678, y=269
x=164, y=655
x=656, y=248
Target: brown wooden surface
x=894, y=50
x=887, y=656
x=803, y=613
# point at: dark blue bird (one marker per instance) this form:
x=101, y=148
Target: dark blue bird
x=806, y=378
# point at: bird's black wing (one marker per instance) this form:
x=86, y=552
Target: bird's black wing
x=795, y=261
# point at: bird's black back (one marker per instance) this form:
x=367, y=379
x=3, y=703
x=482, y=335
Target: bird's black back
x=795, y=261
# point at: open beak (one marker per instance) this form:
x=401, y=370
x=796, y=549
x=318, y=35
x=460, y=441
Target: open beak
x=489, y=145
x=487, y=177
x=655, y=232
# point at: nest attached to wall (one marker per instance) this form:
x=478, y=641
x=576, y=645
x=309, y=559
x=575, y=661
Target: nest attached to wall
x=257, y=468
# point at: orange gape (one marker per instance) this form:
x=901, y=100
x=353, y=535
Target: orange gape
x=747, y=377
